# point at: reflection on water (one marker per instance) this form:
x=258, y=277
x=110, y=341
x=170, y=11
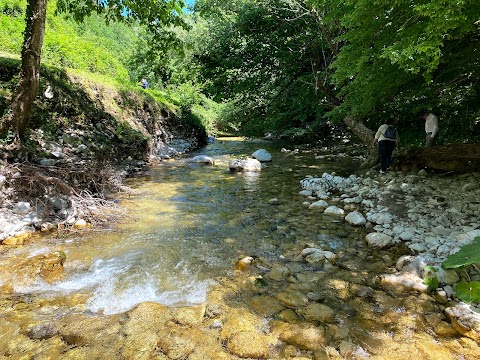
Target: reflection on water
x=189, y=223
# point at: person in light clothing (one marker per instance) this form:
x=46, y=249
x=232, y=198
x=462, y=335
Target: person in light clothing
x=387, y=139
x=431, y=126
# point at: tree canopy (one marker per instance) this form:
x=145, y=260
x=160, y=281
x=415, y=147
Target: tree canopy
x=294, y=62
x=295, y=65
x=152, y=14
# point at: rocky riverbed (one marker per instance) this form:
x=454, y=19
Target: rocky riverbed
x=318, y=300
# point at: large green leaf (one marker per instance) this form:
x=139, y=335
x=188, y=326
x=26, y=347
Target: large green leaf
x=468, y=292
x=468, y=255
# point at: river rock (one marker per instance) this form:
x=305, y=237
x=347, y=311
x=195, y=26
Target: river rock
x=278, y=273
x=333, y=210
x=18, y=239
x=304, y=336
x=240, y=165
x=465, y=320
x=177, y=344
x=137, y=329
x=250, y=345
x=47, y=162
x=403, y=281
x=380, y=217
x=203, y=159
x=262, y=155
x=407, y=235
x=189, y=315
x=266, y=305
x=356, y=218
x=292, y=298
x=42, y=331
x=378, y=240
x=21, y=208
x=47, y=267
x=320, y=204
x=82, y=330
x=314, y=255
x=319, y=312
x=347, y=348
x=449, y=276
x=80, y=223
x=414, y=265
x=239, y=320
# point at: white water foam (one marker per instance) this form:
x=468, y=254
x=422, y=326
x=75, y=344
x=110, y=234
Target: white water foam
x=108, y=300
x=117, y=287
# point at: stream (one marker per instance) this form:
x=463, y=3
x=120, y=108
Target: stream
x=188, y=224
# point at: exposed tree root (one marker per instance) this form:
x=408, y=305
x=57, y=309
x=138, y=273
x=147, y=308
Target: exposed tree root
x=62, y=194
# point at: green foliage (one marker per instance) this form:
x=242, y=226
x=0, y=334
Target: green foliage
x=292, y=64
x=430, y=278
x=209, y=112
x=468, y=255
x=468, y=292
x=92, y=46
x=152, y=13
x=12, y=22
x=263, y=56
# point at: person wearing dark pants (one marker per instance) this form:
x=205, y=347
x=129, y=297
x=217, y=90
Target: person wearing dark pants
x=387, y=139
x=385, y=150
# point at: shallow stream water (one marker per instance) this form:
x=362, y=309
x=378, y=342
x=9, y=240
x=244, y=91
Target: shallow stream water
x=188, y=224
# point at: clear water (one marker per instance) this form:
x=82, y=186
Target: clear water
x=188, y=224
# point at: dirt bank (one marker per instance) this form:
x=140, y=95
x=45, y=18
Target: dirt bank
x=85, y=137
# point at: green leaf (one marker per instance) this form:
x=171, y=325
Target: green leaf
x=468, y=255
x=468, y=292
x=431, y=282
x=432, y=269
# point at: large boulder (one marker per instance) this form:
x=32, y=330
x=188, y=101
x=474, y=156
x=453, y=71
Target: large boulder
x=246, y=165
x=262, y=155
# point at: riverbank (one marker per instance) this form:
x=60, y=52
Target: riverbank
x=85, y=136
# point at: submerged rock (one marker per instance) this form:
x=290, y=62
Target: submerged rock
x=319, y=312
x=42, y=331
x=203, y=159
x=304, y=336
x=249, y=344
x=47, y=267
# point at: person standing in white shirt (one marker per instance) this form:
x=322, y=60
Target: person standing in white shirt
x=431, y=126
x=387, y=139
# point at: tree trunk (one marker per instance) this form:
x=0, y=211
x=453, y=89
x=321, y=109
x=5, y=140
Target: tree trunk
x=366, y=136
x=30, y=74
